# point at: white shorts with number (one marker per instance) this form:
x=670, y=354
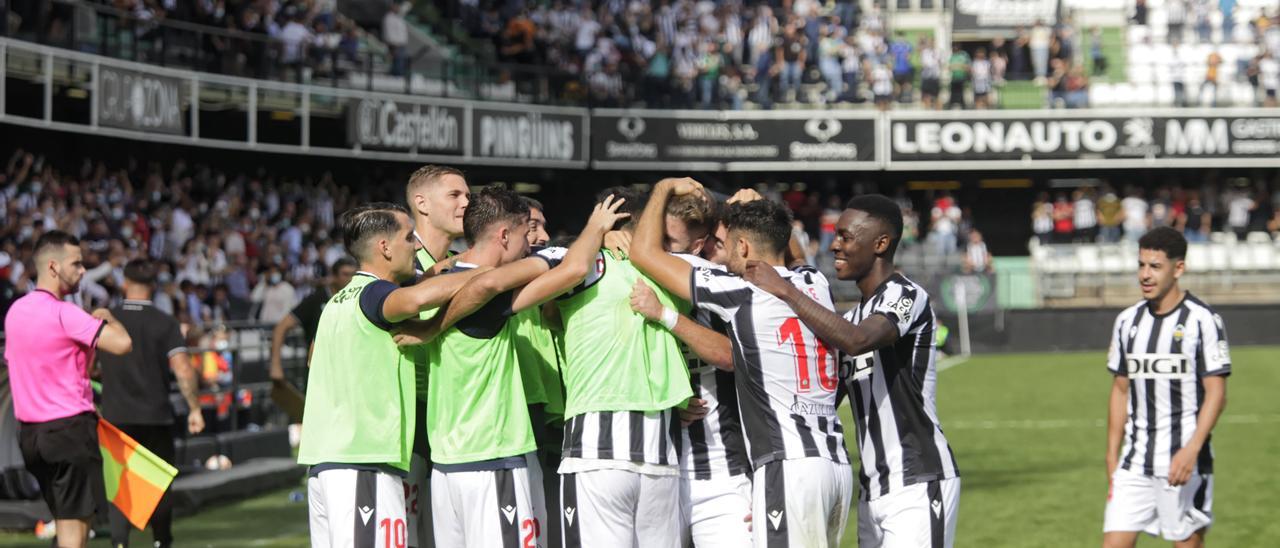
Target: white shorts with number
x=497, y=508
x=417, y=502
x=356, y=509
x=1149, y=504
x=714, y=511
x=619, y=508
x=921, y=514
x=801, y=503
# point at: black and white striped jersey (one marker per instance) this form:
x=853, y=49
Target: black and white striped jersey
x=629, y=436
x=1165, y=357
x=892, y=391
x=785, y=377
x=714, y=446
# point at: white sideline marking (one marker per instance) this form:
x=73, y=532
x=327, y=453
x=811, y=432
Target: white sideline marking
x=1082, y=423
x=951, y=361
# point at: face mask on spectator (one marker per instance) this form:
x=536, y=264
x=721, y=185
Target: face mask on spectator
x=164, y=278
x=221, y=345
x=36, y=187
x=126, y=231
x=254, y=213
x=275, y=278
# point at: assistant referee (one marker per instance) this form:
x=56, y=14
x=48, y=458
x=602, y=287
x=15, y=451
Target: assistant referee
x=50, y=344
x=135, y=388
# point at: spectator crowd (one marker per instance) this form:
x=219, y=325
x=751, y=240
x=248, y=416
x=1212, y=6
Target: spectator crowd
x=721, y=54
x=228, y=246
x=1104, y=215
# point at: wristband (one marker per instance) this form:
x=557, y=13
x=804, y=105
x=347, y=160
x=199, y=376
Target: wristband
x=669, y=318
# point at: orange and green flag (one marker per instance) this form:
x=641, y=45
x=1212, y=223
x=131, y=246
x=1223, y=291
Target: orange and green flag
x=135, y=477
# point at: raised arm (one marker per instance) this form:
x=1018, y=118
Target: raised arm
x=647, y=253
x=408, y=302
x=876, y=332
x=113, y=339
x=578, y=260
x=483, y=288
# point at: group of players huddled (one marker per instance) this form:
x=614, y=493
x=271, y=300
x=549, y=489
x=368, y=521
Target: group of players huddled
x=671, y=378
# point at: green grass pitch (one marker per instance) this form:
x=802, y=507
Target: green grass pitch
x=1028, y=434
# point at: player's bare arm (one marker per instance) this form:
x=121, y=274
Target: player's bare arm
x=1215, y=400
x=578, y=260
x=278, y=333
x=873, y=333
x=710, y=346
x=408, y=302
x=1117, y=415
x=647, y=253
x=113, y=339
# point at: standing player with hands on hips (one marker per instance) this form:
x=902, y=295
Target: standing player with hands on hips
x=1170, y=362
x=910, y=484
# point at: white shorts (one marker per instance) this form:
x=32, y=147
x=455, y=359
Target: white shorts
x=417, y=502
x=1150, y=504
x=802, y=503
x=356, y=509
x=921, y=514
x=486, y=508
x=714, y=511
x=618, y=508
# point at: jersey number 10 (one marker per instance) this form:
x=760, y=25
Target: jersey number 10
x=827, y=378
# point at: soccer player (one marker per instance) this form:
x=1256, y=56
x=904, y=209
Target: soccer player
x=785, y=377
x=1170, y=363
x=360, y=390
x=537, y=331
x=437, y=196
x=910, y=484
x=49, y=348
x=715, y=472
x=486, y=483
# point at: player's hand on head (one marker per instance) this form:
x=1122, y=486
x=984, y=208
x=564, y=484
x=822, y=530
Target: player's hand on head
x=694, y=412
x=763, y=276
x=685, y=185
x=619, y=241
x=645, y=302
x=605, y=214
x=745, y=195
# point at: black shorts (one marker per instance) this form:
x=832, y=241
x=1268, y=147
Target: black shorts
x=64, y=457
x=904, y=77
x=930, y=86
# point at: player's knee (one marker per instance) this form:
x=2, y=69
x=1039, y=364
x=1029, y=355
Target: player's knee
x=1119, y=540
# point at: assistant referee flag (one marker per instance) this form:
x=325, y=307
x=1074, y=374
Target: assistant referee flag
x=135, y=477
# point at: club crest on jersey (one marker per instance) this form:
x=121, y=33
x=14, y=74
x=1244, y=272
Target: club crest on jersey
x=1158, y=366
x=1133, y=331
x=1177, y=332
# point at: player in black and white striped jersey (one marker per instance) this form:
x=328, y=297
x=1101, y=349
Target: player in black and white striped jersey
x=910, y=484
x=715, y=471
x=1170, y=360
x=785, y=377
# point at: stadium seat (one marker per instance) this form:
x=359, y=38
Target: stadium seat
x=1219, y=257
x=1089, y=258
x=1263, y=255
x=1258, y=237
x=1197, y=258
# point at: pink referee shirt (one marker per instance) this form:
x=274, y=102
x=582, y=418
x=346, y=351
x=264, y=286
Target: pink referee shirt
x=49, y=344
